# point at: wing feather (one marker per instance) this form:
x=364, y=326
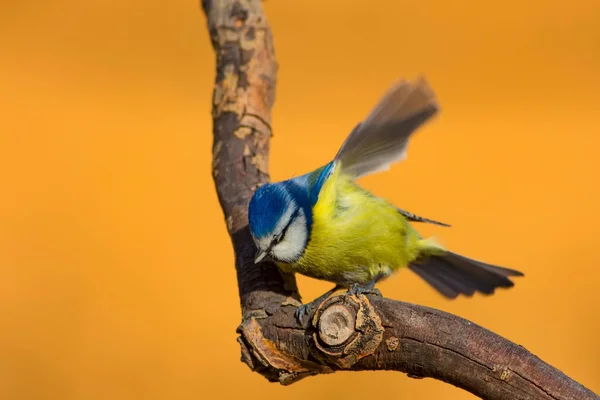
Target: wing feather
x=382, y=138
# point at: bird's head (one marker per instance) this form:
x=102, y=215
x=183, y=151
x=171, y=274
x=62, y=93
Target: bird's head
x=278, y=223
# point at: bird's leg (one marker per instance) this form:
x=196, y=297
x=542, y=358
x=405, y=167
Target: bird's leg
x=366, y=288
x=306, y=311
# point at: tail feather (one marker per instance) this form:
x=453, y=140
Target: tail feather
x=436, y=281
x=452, y=274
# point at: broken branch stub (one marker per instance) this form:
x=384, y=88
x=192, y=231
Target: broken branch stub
x=347, y=329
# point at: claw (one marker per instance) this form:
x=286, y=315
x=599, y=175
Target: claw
x=304, y=313
x=366, y=288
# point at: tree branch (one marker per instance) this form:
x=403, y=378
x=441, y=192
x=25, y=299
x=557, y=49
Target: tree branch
x=347, y=332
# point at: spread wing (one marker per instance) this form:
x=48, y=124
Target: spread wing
x=382, y=138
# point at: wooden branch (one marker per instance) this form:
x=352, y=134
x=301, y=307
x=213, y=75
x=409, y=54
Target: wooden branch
x=347, y=332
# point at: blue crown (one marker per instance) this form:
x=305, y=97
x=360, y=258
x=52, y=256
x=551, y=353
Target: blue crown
x=266, y=208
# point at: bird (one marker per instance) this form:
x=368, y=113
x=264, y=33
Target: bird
x=324, y=225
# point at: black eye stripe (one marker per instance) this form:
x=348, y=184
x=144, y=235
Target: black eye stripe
x=284, y=230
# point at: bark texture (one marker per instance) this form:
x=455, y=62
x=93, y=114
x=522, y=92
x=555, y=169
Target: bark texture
x=347, y=332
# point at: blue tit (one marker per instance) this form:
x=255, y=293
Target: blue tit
x=325, y=226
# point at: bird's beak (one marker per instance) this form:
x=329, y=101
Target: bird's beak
x=260, y=256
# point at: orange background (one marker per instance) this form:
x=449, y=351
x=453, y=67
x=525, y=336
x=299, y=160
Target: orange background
x=116, y=272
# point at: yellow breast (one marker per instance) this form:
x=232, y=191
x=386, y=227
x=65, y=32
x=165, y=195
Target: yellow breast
x=355, y=235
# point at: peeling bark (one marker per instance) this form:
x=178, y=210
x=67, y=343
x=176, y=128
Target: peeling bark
x=347, y=332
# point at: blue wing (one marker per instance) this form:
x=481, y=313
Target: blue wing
x=319, y=177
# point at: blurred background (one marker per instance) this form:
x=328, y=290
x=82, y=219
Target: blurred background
x=116, y=271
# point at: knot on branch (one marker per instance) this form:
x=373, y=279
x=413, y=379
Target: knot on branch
x=265, y=356
x=344, y=330
x=347, y=328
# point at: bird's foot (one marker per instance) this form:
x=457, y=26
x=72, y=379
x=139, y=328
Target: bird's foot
x=365, y=288
x=304, y=313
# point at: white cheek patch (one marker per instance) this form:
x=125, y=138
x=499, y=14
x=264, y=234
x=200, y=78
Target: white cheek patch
x=291, y=247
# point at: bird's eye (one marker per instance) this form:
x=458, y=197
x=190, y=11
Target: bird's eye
x=278, y=238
